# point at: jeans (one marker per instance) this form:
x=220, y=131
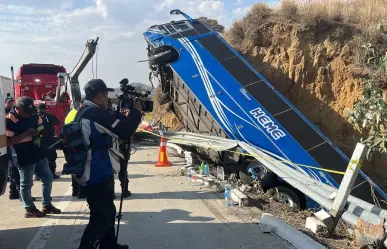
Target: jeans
x=100, y=230
x=42, y=170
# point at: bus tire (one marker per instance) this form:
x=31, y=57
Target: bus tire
x=286, y=196
x=164, y=55
x=165, y=98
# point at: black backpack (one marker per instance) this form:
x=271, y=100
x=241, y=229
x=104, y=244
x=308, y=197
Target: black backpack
x=74, y=146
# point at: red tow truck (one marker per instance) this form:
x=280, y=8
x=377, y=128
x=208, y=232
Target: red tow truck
x=47, y=83
x=52, y=85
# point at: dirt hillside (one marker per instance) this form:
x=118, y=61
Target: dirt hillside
x=162, y=114
x=316, y=61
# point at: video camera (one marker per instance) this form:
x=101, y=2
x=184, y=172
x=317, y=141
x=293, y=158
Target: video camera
x=130, y=95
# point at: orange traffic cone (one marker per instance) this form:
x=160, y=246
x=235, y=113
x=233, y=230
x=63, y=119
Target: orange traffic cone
x=163, y=157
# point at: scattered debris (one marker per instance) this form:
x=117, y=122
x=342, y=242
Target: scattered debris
x=325, y=218
x=245, y=188
x=238, y=197
x=257, y=198
x=220, y=173
x=234, y=180
x=340, y=239
x=315, y=225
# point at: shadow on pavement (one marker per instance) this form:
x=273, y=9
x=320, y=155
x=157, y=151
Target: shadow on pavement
x=171, y=228
x=135, y=176
x=167, y=215
x=187, y=195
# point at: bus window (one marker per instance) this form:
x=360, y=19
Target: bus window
x=163, y=30
x=181, y=26
x=170, y=28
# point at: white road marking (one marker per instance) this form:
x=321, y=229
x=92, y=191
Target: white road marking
x=42, y=236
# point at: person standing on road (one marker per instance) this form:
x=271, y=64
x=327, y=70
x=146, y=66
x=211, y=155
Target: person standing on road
x=104, y=128
x=48, y=136
x=22, y=125
x=13, y=172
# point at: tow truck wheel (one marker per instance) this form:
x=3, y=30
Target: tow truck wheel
x=286, y=196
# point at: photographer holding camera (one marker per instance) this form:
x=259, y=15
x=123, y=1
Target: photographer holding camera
x=103, y=129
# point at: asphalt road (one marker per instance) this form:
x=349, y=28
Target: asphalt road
x=163, y=212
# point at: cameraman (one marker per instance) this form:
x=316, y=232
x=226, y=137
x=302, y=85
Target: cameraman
x=103, y=128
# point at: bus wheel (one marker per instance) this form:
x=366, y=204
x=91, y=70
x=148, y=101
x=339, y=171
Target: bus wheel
x=164, y=55
x=165, y=98
x=286, y=196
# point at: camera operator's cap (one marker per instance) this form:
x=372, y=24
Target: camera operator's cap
x=96, y=86
x=26, y=104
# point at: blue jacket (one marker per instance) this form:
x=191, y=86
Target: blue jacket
x=103, y=130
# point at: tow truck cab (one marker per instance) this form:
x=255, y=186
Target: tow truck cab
x=40, y=82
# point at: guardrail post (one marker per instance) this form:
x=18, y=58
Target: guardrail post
x=346, y=184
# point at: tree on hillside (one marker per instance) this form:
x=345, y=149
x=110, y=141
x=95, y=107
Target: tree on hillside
x=212, y=23
x=369, y=114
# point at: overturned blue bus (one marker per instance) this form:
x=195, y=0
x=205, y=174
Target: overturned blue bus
x=213, y=90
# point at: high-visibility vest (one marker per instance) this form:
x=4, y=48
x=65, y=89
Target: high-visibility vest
x=70, y=116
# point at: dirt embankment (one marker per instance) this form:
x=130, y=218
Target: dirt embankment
x=162, y=114
x=316, y=67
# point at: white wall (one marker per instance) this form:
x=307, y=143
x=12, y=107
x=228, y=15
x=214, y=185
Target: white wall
x=6, y=85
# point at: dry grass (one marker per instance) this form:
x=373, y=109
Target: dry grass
x=363, y=13
x=259, y=13
x=289, y=9
x=162, y=114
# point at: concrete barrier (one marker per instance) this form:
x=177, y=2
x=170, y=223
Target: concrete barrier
x=289, y=233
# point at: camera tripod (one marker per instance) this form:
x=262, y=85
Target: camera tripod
x=125, y=150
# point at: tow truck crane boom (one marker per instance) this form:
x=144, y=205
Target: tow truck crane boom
x=75, y=92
